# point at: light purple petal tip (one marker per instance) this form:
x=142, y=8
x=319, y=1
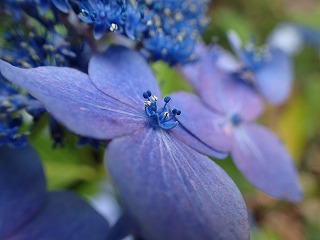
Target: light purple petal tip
x=265, y=162
x=124, y=75
x=274, y=79
x=225, y=60
x=65, y=216
x=70, y=96
x=173, y=192
x=236, y=44
x=202, y=122
x=22, y=188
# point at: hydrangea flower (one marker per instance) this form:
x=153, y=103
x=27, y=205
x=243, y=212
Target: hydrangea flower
x=268, y=69
x=169, y=190
x=256, y=151
x=28, y=211
x=167, y=30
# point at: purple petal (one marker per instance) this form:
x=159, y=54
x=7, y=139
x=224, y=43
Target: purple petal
x=123, y=74
x=220, y=90
x=225, y=60
x=173, y=192
x=65, y=216
x=274, y=79
x=192, y=72
x=202, y=122
x=265, y=162
x=22, y=188
x=236, y=97
x=71, y=97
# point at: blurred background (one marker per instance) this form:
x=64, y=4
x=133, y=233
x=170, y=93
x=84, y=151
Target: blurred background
x=297, y=122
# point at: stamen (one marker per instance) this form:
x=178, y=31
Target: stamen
x=154, y=98
x=176, y=111
x=147, y=94
x=147, y=103
x=167, y=99
x=159, y=117
x=113, y=27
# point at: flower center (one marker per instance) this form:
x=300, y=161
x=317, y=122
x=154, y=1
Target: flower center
x=160, y=117
x=236, y=119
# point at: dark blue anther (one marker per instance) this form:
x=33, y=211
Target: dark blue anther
x=145, y=95
x=167, y=99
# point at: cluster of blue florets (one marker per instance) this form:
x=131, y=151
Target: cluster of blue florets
x=11, y=102
x=167, y=30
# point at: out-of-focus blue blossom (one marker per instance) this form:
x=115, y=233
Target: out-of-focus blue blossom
x=11, y=102
x=15, y=7
x=28, y=211
x=26, y=50
x=167, y=30
x=291, y=37
x=153, y=168
x=32, y=47
x=269, y=69
x=256, y=151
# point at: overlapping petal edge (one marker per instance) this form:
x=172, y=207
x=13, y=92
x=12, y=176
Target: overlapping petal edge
x=258, y=161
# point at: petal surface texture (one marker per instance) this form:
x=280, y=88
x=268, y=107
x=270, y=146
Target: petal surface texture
x=172, y=191
x=185, y=136
x=71, y=97
x=123, y=74
x=22, y=188
x=201, y=121
x=65, y=216
x=274, y=79
x=265, y=162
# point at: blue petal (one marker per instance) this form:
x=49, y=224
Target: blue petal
x=123, y=74
x=265, y=162
x=274, y=79
x=70, y=96
x=173, y=192
x=65, y=216
x=22, y=188
x=202, y=122
x=62, y=5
